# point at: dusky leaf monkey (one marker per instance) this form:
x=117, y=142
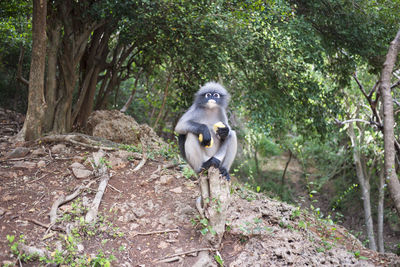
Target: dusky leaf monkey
x=205, y=137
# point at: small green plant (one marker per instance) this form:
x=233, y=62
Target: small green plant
x=219, y=259
x=188, y=172
x=358, y=255
x=203, y=224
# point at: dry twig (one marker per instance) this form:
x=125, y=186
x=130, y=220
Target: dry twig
x=156, y=232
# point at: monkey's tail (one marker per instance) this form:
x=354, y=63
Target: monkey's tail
x=181, y=141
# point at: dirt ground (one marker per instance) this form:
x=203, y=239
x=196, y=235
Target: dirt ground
x=148, y=217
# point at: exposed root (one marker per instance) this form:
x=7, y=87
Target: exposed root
x=80, y=140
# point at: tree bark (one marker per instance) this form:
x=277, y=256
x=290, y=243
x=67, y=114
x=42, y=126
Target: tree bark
x=363, y=179
x=381, y=199
x=215, y=191
x=130, y=99
x=32, y=128
x=93, y=63
x=388, y=122
x=164, y=100
x=54, y=37
x=284, y=172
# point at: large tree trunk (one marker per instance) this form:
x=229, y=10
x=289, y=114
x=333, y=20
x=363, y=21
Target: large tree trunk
x=76, y=35
x=32, y=128
x=54, y=36
x=93, y=63
x=388, y=122
x=363, y=179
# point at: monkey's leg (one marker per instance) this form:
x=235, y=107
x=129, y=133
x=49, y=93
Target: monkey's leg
x=226, y=153
x=195, y=155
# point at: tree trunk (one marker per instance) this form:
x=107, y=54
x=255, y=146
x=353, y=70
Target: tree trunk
x=388, y=122
x=93, y=63
x=215, y=195
x=32, y=128
x=381, y=198
x=284, y=172
x=130, y=99
x=54, y=35
x=164, y=100
x=364, y=184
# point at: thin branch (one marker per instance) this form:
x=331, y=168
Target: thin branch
x=357, y=120
x=156, y=232
x=19, y=67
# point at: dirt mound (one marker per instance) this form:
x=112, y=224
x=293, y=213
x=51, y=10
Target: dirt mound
x=148, y=216
x=121, y=128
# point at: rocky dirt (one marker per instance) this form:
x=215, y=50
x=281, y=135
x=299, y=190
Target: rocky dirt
x=148, y=217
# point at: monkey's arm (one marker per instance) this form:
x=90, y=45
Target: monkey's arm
x=190, y=126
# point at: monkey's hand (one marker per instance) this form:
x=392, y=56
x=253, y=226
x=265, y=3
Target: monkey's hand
x=221, y=130
x=211, y=162
x=224, y=172
x=205, y=137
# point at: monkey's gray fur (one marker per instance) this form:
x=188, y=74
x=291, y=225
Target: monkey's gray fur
x=208, y=108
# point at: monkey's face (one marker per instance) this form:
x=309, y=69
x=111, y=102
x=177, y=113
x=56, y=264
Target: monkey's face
x=211, y=100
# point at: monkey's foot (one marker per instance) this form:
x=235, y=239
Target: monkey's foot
x=225, y=173
x=211, y=162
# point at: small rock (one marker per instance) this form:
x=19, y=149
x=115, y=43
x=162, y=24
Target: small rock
x=177, y=190
x=58, y=148
x=38, y=152
x=77, y=165
x=80, y=173
x=166, y=179
x=163, y=245
x=139, y=212
x=117, y=163
x=18, y=152
x=150, y=204
x=41, y=164
x=25, y=165
x=80, y=247
x=78, y=159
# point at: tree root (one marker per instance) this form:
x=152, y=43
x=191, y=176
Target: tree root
x=80, y=140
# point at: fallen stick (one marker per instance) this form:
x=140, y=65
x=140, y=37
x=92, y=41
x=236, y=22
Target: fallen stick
x=156, y=232
x=64, y=199
x=185, y=253
x=144, y=158
x=92, y=213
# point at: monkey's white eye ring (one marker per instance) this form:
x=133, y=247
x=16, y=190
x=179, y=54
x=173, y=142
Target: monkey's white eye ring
x=216, y=95
x=208, y=95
